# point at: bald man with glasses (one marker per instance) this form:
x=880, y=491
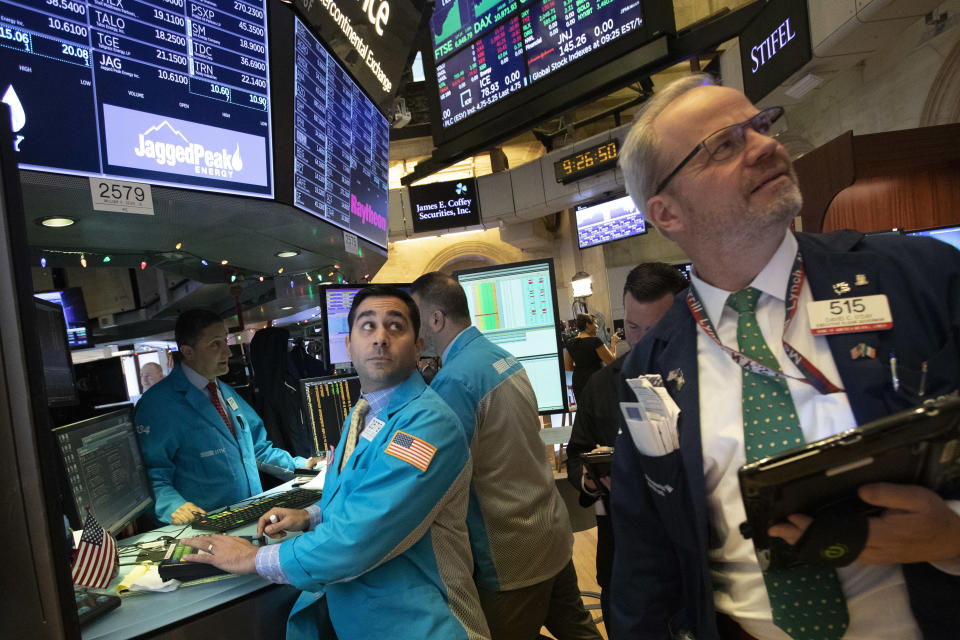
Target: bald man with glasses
x=751, y=379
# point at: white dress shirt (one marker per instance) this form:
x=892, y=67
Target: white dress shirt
x=876, y=595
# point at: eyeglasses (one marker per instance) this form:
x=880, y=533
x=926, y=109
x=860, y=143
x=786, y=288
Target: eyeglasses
x=725, y=143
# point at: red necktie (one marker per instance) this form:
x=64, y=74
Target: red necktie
x=215, y=399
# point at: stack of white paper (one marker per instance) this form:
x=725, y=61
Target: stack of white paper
x=652, y=419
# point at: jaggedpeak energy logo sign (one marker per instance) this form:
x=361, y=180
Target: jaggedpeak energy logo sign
x=154, y=142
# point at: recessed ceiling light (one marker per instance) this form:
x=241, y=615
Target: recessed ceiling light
x=289, y=253
x=56, y=221
x=285, y=308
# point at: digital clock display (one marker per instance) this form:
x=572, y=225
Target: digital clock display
x=587, y=162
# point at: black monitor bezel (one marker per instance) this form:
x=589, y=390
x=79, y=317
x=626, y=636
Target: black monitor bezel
x=73, y=508
x=556, y=318
x=75, y=398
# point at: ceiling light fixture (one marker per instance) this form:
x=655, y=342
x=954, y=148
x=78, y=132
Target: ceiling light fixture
x=288, y=253
x=224, y=262
x=56, y=221
x=285, y=308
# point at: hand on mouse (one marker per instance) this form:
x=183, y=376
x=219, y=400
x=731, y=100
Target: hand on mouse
x=277, y=521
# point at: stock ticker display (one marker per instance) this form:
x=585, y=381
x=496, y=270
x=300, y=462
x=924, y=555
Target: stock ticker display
x=486, y=50
x=166, y=91
x=341, y=145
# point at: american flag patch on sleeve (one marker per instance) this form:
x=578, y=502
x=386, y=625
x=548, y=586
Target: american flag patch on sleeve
x=411, y=449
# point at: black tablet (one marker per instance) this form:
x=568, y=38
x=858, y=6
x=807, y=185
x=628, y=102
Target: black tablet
x=919, y=446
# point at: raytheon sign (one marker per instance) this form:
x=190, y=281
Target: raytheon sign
x=444, y=205
x=774, y=46
x=371, y=38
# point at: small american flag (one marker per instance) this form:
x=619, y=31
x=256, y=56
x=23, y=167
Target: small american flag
x=411, y=449
x=95, y=562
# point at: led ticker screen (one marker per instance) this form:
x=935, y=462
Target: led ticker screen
x=515, y=306
x=341, y=145
x=509, y=45
x=608, y=221
x=170, y=92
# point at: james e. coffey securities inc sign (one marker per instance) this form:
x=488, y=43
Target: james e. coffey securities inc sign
x=444, y=205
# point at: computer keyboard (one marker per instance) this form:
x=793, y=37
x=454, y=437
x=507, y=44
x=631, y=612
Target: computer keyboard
x=227, y=520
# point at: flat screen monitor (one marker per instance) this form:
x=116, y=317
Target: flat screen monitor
x=326, y=402
x=608, y=220
x=515, y=306
x=685, y=269
x=341, y=144
x=102, y=383
x=104, y=469
x=55, y=355
x=172, y=93
x=491, y=56
x=438, y=206
x=950, y=235
x=335, y=309
x=75, y=313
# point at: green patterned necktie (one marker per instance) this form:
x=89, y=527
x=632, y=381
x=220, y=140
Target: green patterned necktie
x=807, y=602
x=357, y=418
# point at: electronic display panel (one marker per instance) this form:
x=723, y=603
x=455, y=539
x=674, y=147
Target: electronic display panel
x=341, y=145
x=337, y=300
x=173, y=92
x=74, y=313
x=950, y=235
x=515, y=306
x=326, y=403
x=602, y=222
x=511, y=44
x=55, y=354
x=104, y=469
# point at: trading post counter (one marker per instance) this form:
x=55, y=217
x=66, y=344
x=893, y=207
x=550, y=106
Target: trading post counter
x=246, y=606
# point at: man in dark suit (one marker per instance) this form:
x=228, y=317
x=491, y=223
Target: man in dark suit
x=647, y=294
x=739, y=357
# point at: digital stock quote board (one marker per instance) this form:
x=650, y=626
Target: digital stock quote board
x=486, y=50
x=171, y=92
x=341, y=145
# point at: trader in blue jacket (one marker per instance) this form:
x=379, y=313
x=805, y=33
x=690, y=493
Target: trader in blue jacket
x=742, y=355
x=202, y=442
x=386, y=554
x=519, y=528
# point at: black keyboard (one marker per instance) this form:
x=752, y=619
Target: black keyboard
x=227, y=520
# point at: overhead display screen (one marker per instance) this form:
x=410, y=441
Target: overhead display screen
x=510, y=44
x=439, y=206
x=341, y=145
x=172, y=92
x=603, y=222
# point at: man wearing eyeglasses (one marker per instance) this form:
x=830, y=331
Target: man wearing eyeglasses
x=739, y=358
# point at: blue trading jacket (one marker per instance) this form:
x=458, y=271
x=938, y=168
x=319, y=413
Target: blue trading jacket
x=191, y=455
x=391, y=553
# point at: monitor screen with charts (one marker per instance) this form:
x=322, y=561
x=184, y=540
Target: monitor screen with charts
x=326, y=403
x=104, y=470
x=515, y=306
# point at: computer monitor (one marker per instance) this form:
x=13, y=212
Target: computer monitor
x=326, y=402
x=515, y=306
x=75, y=311
x=685, y=269
x=55, y=354
x=950, y=235
x=608, y=220
x=337, y=300
x=101, y=459
x=101, y=383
